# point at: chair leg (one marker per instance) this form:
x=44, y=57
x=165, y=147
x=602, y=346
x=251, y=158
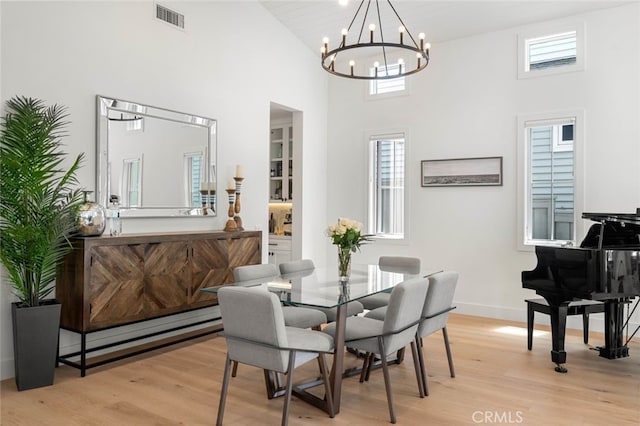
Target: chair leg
x=372, y=361
x=365, y=366
x=235, y=369
x=585, y=327
x=271, y=384
x=448, y=348
x=223, y=391
x=416, y=364
x=287, y=395
x=423, y=367
x=400, y=356
x=328, y=395
x=387, y=380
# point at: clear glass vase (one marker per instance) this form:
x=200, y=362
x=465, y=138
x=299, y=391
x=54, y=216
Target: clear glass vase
x=344, y=263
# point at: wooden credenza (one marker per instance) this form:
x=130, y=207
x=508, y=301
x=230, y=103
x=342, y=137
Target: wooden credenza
x=114, y=281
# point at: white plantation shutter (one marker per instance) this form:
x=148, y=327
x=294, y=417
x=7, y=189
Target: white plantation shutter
x=387, y=182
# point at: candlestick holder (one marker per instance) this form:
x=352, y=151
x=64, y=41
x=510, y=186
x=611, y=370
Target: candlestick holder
x=231, y=223
x=208, y=199
x=236, y=207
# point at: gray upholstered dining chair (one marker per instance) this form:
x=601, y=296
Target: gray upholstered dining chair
x=256, y=335
x=400, y=264
x=353, y=307
x=438, y=303
x=294, y=316
x=397, y=330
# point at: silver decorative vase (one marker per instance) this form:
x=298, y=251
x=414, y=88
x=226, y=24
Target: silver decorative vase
x=91, y=219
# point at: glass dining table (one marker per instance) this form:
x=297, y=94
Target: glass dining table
x=321, y=287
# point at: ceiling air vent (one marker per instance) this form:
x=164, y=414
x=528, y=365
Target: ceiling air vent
x=169, y=16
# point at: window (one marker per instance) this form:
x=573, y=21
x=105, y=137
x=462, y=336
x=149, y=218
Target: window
x=132, y=179
x=549, y=192
x=386, y=186
x=194, y=178
x=551, y=51
x=380, y=87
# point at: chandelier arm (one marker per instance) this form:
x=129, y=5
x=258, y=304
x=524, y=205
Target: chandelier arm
x=384, y=49
x=353, y=20
x=402, y=22
x=364, y=19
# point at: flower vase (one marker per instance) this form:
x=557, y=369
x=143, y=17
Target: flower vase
x=344, y=264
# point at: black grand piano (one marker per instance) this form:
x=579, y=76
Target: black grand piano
x=605, y=267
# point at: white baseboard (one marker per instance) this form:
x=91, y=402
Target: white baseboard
x=596, y=321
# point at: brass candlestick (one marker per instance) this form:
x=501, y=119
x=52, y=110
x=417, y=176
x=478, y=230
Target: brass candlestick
x=237, y=217
x=231, y=224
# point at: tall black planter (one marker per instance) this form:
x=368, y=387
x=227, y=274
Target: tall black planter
x=35, y=344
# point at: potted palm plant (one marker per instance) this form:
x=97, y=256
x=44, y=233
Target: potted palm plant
x=39, y=199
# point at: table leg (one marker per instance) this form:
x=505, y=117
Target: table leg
x=338, y=358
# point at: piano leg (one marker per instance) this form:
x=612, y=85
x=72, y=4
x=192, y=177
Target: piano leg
x=558, y=328
x=613, y=330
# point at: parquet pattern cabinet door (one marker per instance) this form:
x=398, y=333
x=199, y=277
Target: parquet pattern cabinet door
x=166, y=277
x=244, y=251
x=209, y=267
x=116, y=285
x=213, y=260
x=131, y=282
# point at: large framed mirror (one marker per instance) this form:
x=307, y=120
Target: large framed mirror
x=155, y=162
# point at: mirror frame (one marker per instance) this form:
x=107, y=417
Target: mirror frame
x=104, y=105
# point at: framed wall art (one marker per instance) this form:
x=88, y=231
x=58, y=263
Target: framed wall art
x=485, y=171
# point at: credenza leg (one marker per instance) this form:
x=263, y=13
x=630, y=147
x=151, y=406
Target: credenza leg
x=83, y=354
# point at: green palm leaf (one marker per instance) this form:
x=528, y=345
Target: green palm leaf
x=39, y=198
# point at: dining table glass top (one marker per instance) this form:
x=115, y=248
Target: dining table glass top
x=321, y=287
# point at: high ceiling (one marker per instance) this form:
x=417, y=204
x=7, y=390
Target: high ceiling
x=312, y=20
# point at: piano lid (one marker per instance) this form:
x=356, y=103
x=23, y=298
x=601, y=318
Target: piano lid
x=630, y=218
x=612, y=230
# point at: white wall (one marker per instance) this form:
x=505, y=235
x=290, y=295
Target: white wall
x=68, y=52
x=465, y=104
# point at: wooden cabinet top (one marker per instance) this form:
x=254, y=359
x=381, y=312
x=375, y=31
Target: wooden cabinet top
x=163, y=237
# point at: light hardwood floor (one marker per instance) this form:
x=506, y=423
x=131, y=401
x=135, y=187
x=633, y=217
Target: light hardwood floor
x=497, y=382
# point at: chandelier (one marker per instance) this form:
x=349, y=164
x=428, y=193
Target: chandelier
x=378, y=59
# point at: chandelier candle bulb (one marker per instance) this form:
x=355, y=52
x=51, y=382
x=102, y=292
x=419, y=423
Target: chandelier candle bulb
x=401, y=31
x=372, y=28
x=426, y=48
x=351, y=64
x=421, y=37
x=344, y=36
x=325, y=42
